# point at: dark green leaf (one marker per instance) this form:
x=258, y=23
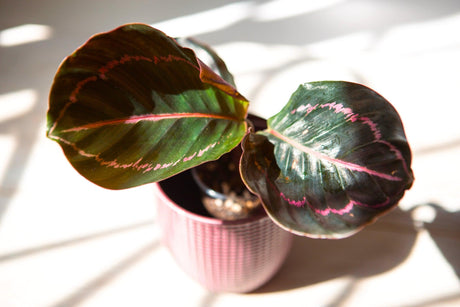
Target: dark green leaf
x=131, y=106
x=331, y=161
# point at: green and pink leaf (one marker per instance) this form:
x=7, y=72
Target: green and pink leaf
x=338, y=159
x=131, y=107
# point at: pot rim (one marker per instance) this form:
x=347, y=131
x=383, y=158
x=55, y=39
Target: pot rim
x=258, y=215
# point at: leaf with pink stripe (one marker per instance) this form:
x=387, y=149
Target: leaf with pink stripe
x=331, y=161
x=131, y=107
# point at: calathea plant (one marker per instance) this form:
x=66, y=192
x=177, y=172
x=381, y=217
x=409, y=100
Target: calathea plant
x=132, y=106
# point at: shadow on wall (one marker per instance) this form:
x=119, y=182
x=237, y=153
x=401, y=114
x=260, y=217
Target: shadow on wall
x=377, y=249
x=445, y=231
x=271, y=22
x=304, y=22
x=310, y=261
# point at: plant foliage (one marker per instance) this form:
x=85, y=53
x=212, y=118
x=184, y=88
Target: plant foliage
x=132, y=106
x=333, y=159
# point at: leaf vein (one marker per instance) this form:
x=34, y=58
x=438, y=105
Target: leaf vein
x=321, y=156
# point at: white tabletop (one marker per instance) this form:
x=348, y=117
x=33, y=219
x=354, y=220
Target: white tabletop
x=66, y=242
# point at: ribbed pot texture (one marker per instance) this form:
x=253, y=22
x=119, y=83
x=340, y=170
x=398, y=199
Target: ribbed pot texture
x=224, y=256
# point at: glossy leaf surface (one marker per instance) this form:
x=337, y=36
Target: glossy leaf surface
x=330, y=162
x=131, y=107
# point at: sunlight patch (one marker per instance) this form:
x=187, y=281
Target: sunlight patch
x=24, y=34
x=282, y=9
x=17, y=103
x=8, y=144
x=206, y=21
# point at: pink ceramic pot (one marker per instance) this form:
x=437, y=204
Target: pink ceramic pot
x=223, y=256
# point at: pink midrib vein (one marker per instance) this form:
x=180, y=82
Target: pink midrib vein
x=345, y=164
x=148, y=117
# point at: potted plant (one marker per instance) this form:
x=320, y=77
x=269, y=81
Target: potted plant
x=134, y=106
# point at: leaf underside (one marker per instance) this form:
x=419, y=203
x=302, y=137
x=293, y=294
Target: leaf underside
x=131, y=107
x=330, y=162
